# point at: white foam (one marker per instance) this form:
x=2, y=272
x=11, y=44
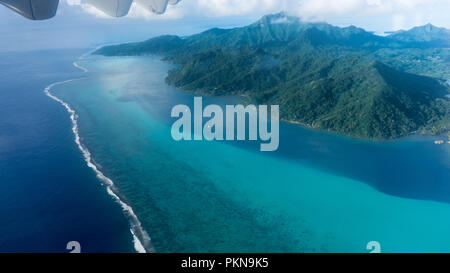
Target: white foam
x=137, y=243
x=141, y=240
x=80, y=67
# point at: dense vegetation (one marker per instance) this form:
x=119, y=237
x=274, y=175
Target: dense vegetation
x=344, y=80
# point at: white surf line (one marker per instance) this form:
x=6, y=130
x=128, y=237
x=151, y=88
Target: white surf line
x=84, y=69
x=80, y=67
x=141, y=239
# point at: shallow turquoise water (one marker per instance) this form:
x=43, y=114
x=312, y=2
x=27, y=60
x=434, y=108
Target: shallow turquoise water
x=318, y=193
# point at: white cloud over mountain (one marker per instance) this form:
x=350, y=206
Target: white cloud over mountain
x=400, y=13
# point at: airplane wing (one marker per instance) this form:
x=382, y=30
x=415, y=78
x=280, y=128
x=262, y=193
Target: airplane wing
x=45, y=9
x=33, y=9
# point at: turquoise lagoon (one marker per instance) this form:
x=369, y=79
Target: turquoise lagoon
x=318, y=193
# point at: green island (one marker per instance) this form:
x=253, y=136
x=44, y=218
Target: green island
x=344, y=80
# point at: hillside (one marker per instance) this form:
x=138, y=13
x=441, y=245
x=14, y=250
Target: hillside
x=344, y=80
x=427, y=35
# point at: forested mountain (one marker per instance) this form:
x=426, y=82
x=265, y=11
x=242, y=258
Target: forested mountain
x=427, y=35
x=345, y=80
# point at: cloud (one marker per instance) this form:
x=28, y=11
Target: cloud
x=87, y=8
x=401, y=13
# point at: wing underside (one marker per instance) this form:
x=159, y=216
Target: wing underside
x=33, y=9
x=45, y=9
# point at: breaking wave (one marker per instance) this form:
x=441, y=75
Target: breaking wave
x=141, y=240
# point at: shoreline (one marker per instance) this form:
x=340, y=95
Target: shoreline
x=143, y=204
x=243, y=97
x=137, y=231
x=141, y=239
x=442, y=134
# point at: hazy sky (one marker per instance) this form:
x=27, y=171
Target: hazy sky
x=79, y=25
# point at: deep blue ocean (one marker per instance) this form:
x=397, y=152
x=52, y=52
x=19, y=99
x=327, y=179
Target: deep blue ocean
x=48, y=196
x=319, y=192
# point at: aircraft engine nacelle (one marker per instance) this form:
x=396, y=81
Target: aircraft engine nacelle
x=45, y=9
x=113, y=8
x=33, y=9
x=156, y=6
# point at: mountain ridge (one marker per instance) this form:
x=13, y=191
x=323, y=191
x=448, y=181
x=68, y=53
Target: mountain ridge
x=344, y=80
x=424, y=34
